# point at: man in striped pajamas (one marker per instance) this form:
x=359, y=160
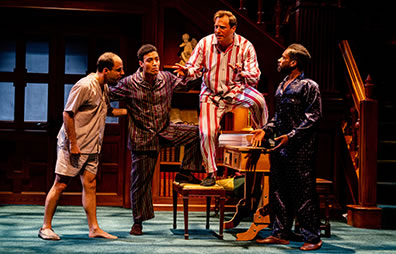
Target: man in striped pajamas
x=228, y=65
x=148, y=94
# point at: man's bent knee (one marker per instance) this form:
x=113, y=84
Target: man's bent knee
x=61, y=182
x=88, y=180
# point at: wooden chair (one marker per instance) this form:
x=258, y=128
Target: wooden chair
x=187, y=190
x=323, y=188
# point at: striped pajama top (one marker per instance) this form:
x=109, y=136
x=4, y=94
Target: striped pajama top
x=219, y=79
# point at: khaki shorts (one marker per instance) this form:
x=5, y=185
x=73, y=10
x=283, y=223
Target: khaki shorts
x=87, y=162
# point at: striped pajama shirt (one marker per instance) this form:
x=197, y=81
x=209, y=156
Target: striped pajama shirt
x=150, y=129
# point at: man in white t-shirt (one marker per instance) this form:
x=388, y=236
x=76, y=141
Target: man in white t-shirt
x=80, y=139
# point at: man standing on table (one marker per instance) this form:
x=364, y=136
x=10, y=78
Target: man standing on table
x=228, y=65
x=292, y=181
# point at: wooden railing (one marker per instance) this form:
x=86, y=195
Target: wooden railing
x=357, y=85
x=350, y=127
x=278, y=12
x=362, y=139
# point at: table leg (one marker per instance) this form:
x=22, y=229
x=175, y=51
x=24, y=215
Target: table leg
x=185, y=207
x=207, y=211
x=244, y=206
x=222, y=201
x=174, y=208
x=261, y=220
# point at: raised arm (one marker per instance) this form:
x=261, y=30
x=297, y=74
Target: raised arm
x=121, y=91
x=117, y=112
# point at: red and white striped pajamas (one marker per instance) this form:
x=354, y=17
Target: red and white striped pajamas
x=222, y=89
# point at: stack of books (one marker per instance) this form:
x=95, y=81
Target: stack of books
x=236, y=139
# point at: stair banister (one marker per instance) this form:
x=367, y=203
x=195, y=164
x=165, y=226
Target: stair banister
x=366, y=214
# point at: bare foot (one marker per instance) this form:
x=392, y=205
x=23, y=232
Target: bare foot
x=100, y=233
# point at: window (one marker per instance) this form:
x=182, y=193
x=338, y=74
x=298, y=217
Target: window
x=37, y=56
x=7, y=56
x=66, y=92
x=76, y=59
x=36, y=102
x=7, y=101
x=25, y=77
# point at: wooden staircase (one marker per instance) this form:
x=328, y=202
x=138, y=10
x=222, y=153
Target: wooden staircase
x=375, y=47
x=386, y=177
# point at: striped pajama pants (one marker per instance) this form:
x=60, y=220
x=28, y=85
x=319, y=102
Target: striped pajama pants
x=212, y=111
x=143, y=166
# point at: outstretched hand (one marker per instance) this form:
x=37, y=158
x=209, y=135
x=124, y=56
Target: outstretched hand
x=284, y=139
x=258, y=136
x=180, y=70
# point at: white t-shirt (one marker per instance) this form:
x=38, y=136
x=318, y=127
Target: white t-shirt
x=89, y=105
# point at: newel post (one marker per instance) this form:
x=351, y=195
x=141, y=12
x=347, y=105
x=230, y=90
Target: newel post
x=366, y=214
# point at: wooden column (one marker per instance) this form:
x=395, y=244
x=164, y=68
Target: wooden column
x=366, y=214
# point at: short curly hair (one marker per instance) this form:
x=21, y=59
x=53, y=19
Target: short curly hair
x=144, y=50
x=299, y=53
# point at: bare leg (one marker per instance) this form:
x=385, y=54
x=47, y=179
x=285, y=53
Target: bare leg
x=88, y=181
x=51, y=201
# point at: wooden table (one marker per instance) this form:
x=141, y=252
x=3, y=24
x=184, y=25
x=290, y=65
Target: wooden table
x=253, y=160
x=254, y=163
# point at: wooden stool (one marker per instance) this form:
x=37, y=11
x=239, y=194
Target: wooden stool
x=187, y=190
x=323, y=188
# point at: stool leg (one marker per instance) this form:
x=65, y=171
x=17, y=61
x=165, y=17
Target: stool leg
x=216, y=206
x=185, y=207
x=327, y=216
x=207, y=211
x=222, y=199
x=174, y=208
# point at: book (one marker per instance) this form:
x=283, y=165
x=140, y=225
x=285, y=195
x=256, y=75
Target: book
x=237, y=139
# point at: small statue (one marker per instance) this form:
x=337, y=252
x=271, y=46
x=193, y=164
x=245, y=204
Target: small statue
x=187, y=48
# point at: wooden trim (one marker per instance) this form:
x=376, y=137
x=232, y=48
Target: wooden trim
x=364, y=216
x=357, y=86
x=368, y=153
x=138, y=7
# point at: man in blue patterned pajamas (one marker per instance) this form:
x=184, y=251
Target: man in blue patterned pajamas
x=292, y=181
